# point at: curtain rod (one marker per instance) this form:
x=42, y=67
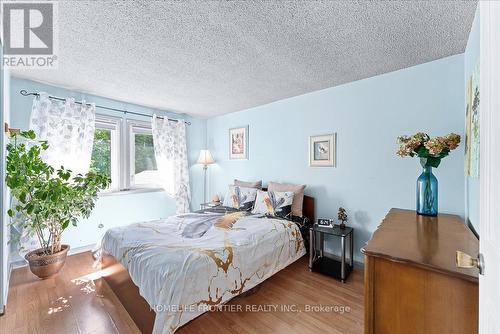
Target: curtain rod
x=23, y=92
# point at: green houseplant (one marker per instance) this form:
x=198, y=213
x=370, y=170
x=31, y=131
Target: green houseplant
x=47, y=200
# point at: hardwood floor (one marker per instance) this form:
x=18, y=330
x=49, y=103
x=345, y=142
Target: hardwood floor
x=74, y=301
x=78, y=301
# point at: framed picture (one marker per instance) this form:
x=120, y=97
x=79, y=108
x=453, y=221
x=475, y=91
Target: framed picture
x=472, y=125
x=238, y=143
x=322, y=150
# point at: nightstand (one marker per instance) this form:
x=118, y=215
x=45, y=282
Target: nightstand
x=209, y=205
x=319, y=263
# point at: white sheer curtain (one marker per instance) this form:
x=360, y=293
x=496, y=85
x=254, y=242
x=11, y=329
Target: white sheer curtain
x=69, y=129
x=169, y=139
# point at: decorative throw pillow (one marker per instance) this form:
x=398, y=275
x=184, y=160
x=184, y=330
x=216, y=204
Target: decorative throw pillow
x=240, y=198
x=273, y=203
x=298, y=194
x=256, y=185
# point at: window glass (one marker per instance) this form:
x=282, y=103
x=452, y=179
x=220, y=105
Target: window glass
x=143, y=166
x=101, y=152
x=128, y=158
x=144, y=153
x=106, y=150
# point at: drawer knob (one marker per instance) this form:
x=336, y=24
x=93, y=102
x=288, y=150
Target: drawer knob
x=464, y=260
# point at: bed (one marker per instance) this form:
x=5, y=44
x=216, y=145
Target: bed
x=168, y=272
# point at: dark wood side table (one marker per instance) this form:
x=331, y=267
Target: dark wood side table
x=320, y=263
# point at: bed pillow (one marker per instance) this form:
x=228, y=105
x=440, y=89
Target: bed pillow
x=241, y=198
x=298, y=194
x=256, y=185
x=274, y=203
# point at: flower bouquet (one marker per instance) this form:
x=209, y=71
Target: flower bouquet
x=430, y=151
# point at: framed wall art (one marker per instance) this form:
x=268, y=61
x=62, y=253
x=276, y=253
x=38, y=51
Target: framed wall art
x=472, y=125
x=238, y=143
x=322, y=150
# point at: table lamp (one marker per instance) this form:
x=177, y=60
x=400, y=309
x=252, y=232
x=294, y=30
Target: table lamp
x=205, y=159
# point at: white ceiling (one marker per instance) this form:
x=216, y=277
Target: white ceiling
x=215, y=57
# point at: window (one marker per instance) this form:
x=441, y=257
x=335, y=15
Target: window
x=127, y=157
x=101, y=152
x=143, y=169
x=106, y=149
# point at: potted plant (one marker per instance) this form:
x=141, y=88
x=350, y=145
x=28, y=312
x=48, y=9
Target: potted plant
x=342, y=217
x=47, y=200
x=430, y=151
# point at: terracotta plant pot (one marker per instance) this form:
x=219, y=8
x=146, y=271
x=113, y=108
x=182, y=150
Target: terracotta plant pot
x=43, y=265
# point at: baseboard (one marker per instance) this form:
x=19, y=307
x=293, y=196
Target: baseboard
x=72, y=251
x=81, y=249
x=359, y=265
x=3, y=307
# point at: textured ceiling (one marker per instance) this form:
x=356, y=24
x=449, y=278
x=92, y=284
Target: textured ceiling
x=210, y=58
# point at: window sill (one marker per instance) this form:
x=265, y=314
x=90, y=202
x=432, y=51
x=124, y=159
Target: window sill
x=129, y=192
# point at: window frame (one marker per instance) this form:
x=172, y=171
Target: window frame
x=136, y=127
x=122, y=154
x=113, y=124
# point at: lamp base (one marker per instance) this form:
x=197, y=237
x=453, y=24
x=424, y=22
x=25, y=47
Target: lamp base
x=205, y=167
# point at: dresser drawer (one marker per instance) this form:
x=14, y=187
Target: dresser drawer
x=411, y=282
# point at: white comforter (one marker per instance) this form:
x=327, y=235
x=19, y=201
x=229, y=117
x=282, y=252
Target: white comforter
x=184, y=265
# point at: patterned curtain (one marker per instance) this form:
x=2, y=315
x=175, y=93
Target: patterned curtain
x=68, y=128
x=169, y=139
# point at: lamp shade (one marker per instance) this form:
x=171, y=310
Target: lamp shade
x=205, y=158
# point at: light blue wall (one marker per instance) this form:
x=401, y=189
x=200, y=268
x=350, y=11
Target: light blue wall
x=471, y=59
x=115, y=210
x=367, y=116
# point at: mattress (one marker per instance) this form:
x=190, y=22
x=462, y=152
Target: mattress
x=185, y=265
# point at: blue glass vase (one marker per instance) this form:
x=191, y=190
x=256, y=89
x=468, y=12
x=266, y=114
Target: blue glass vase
x=427, y=193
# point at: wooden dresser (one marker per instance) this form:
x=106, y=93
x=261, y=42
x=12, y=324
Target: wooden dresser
x=412, y=284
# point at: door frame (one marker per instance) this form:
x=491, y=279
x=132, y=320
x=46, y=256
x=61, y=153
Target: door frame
x=4, y=265
x=489, y=293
